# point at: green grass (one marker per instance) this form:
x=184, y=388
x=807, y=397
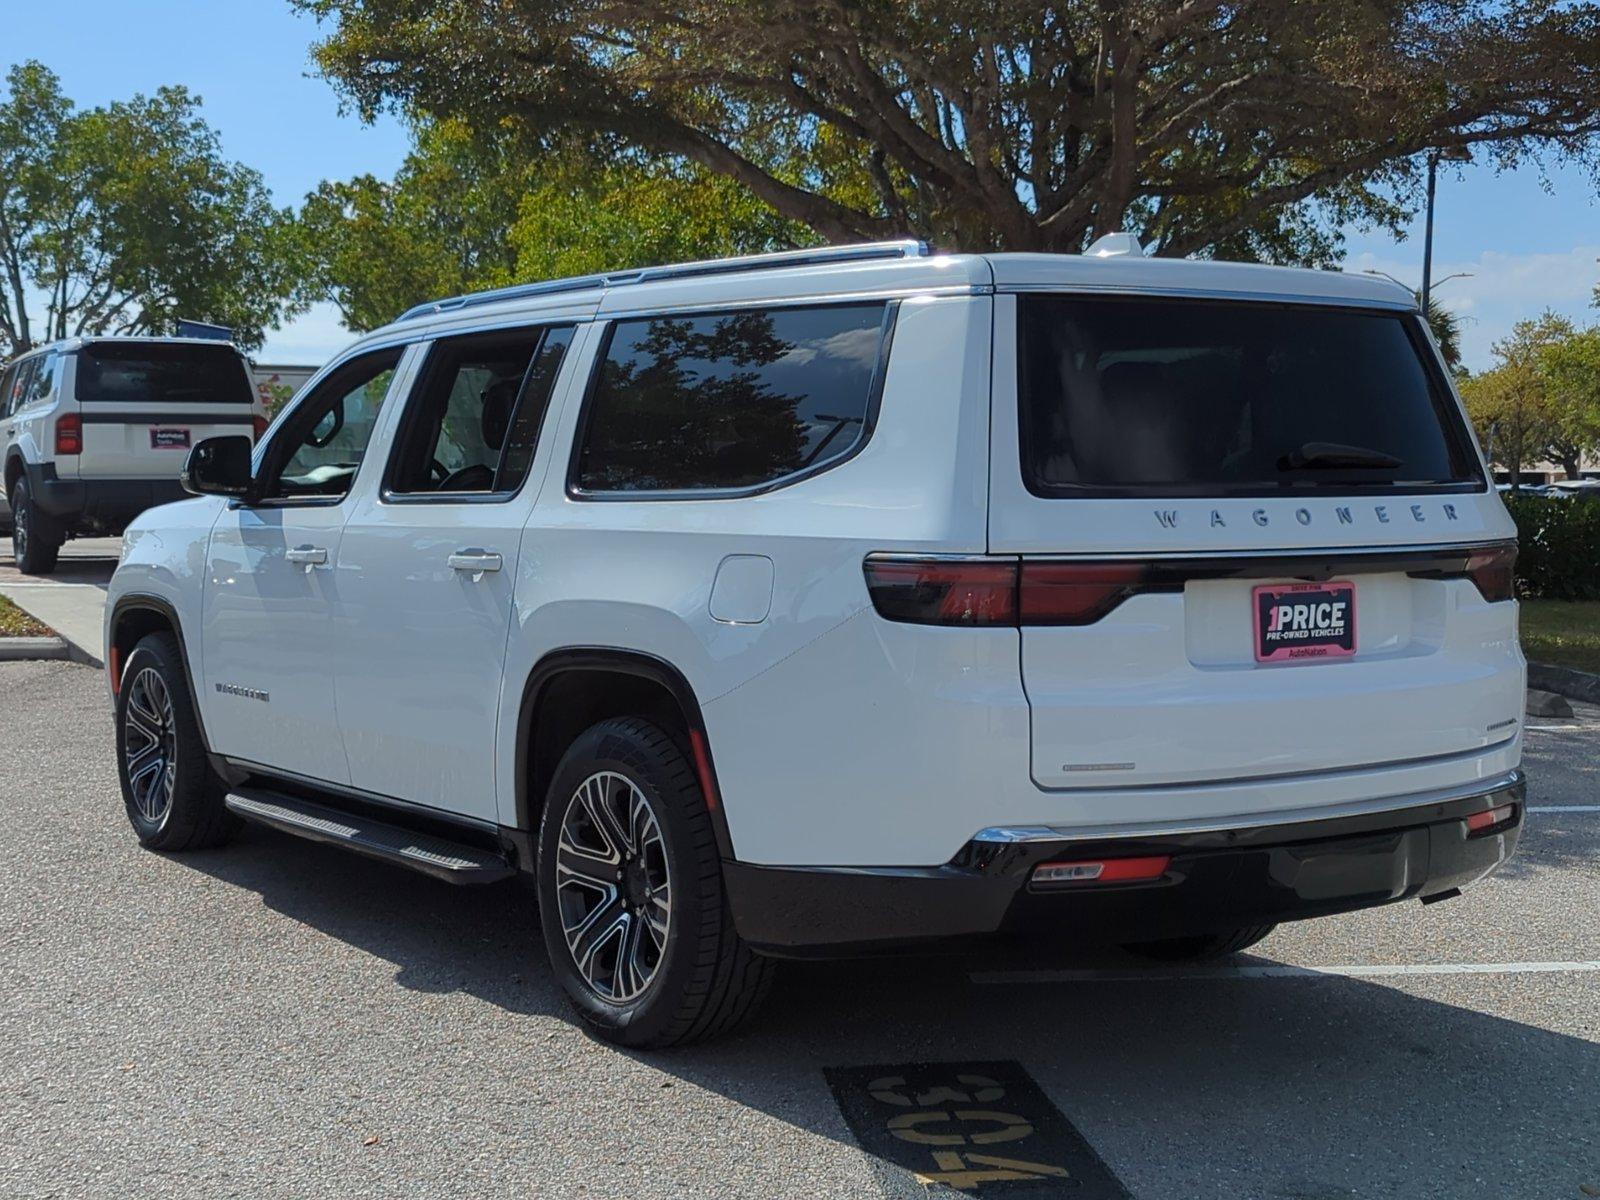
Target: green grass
x=1564, y=633
x=16, y=623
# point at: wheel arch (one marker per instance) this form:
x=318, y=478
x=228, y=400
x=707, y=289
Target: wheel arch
x=569, y=690
x=135, y=616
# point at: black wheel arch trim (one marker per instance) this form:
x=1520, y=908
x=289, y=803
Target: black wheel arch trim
x=143, y=602
x=639, y=664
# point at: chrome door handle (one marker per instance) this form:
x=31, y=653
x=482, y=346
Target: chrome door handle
x=307, y=556
x=475, y=562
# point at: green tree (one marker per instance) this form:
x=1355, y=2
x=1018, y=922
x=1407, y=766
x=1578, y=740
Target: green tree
x=125, y=218
x=1571, y=371
x=467, y=212
x=1518, y=413
x=1251, y=129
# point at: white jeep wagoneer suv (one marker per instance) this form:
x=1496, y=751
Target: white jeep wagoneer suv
x=820, y=602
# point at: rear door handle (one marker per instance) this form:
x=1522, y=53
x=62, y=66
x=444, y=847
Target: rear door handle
x=307, y=556
x=475, y=562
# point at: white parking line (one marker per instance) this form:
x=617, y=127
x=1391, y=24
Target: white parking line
x=1550, y=808
x=1280, y=971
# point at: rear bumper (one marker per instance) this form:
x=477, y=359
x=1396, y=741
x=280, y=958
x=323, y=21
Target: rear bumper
x=102, y=504
x=1218, y=879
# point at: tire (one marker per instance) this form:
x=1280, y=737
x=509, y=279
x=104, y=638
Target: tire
x=1199, y=949
x=172, y=796
x=696, y=980
x=35, y=539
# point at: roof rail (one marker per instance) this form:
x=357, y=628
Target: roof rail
x=816, y=256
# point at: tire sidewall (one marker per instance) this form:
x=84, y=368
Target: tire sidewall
x=643, y=1019
x=189, y=789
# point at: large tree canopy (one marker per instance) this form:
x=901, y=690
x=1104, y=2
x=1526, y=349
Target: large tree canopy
x=123, y=219
x=1248, y=129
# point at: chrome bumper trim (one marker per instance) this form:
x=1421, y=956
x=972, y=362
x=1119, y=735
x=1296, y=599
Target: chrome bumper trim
x=1013, y=834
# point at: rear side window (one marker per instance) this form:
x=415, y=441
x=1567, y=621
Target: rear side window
x=731, y=401
x=155, y=373
x=1181, y=397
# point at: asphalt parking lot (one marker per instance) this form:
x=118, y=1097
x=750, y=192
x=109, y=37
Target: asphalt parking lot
x=278, y=1019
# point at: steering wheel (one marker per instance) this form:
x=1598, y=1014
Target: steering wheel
x=437, y=472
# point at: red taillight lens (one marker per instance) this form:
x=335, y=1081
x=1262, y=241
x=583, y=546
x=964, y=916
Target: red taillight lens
x=1076, y=593
x=69, y=434
x=1108, y=870
x=943, y=592
x=261, y=424
x=1493, y=570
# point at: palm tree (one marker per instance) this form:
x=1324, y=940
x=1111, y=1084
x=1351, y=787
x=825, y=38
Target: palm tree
x=1446, y=328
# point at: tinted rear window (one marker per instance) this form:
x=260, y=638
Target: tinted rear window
x=156, y=374
x=1179, y=397
x=730, y=400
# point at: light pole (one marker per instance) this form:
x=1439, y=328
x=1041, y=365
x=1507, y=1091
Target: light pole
x=1453, y=154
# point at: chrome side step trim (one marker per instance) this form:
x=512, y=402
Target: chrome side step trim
x=443, y=859
x=1013, y=834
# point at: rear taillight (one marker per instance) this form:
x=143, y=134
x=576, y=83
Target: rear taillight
x=261, y=424
x=1077, y=593
x=935, y=591
x=69, y=434
x=1493, y=571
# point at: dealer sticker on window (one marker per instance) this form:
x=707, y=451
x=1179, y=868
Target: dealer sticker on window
x=1305, y=620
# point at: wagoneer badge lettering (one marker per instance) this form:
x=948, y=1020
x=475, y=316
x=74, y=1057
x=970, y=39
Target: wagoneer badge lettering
x=233, y=689
x=1168, y=518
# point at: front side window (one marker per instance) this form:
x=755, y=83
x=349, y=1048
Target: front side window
x=321, y=446
x=1174, y=397
x=476, y=414
x=727, y=401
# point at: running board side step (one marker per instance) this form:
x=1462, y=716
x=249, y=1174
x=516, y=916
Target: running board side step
x=436, y=856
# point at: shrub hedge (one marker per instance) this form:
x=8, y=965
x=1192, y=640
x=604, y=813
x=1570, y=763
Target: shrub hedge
x=1559, y=558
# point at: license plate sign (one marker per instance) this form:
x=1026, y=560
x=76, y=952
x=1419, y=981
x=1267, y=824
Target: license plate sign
x=1296, y=622
x=169, y=439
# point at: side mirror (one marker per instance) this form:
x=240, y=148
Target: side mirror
x=219, y=466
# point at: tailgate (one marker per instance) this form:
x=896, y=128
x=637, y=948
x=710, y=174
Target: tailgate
x=1175, y=686
x=124, y=443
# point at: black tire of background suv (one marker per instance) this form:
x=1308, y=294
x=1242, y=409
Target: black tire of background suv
x=1199, y=949
x=709, y=981
x=197, y=819
x=44, y=539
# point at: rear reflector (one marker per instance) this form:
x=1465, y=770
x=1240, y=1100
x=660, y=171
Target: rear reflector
x=1108, y=870
x=69, y=434
x=1483, y=822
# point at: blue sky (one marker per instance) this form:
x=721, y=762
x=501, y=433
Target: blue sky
x=1529, y=243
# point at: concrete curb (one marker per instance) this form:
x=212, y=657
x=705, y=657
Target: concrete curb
x=1565, y=681
x=33, y=649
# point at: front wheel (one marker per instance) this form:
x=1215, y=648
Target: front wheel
x=1202, y=948
x=174, y=799
x=35, y=540
x=630, y=894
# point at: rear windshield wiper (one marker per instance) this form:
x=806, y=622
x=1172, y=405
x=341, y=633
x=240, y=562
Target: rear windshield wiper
x=1318, y=456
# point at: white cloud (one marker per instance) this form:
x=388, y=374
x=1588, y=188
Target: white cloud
x=1503, y=289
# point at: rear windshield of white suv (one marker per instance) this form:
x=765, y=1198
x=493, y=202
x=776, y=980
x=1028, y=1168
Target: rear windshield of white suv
x=1172, y=397
x=152, y=373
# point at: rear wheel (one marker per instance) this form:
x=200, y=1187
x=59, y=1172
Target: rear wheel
x=173, y=798
x=1199, y=949
x=35, y=539
x=630, y=894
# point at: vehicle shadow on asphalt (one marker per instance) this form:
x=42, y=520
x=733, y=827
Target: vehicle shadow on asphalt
x=1303, y=1088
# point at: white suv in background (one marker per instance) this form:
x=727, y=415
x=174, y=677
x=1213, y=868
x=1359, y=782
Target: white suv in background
x=95, y=431
x=815, y=603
